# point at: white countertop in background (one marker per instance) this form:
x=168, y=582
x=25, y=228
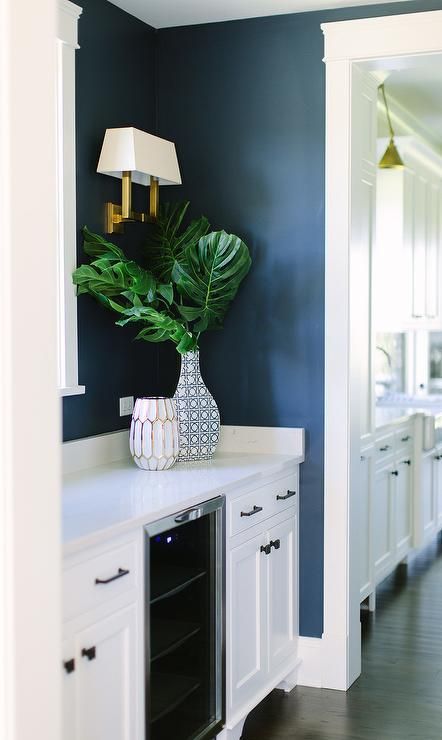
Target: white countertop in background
x=111, y=499
x=387, y=415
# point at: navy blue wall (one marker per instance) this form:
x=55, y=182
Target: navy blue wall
x=115, y=86
x=244, y=101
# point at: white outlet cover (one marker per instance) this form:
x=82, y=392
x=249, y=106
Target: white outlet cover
x=126, y=405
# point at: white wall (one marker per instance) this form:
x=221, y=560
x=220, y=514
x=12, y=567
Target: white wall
x=29, y=405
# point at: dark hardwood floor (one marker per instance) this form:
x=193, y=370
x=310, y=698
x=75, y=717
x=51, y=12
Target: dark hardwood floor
x=399, y=694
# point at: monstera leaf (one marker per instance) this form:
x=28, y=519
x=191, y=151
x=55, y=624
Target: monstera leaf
x=209, y=276
x=96, y=246
x=159, y=327
x=168, y=245
x=112, y=274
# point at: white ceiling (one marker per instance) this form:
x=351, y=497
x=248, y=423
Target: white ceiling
x=415, y=84
x=167, y=13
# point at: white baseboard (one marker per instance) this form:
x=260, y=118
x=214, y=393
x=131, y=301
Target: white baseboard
x=310, y=651
x=81, y=454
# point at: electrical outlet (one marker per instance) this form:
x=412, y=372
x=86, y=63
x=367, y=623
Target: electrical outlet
x=126, y=405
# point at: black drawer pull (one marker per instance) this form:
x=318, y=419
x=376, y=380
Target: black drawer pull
x=406, y=462
x=89, y=653
x=276, y=544
x=69, y=665
x=289, y=494
x=266, y=548
x=395, y=472
x=384, y=448
x=406, y=438
x=255, y=510
x=437, y=457
x=120, y=574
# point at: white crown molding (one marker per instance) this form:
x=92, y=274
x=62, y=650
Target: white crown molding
x=385, y=36
x=102, y=449
x=67, y=22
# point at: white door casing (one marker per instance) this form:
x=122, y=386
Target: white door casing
x=347, y=45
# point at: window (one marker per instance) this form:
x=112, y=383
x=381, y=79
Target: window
x=68, y=15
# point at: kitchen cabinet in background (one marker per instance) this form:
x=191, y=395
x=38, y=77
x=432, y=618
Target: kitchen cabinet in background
x=406, y=259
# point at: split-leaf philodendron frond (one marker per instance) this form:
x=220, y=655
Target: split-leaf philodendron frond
x=193, y=277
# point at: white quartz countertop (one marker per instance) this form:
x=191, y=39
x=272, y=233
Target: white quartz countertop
x=105, y=501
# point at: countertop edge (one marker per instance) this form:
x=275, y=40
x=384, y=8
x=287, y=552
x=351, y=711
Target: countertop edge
x=100, y=536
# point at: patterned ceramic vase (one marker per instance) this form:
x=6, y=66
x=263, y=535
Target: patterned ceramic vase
x=153, y=439
x=198, y=415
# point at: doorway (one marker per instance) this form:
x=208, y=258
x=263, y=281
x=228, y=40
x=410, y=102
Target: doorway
x=353, y=50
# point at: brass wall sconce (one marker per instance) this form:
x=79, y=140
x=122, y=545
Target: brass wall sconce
x=136, y=156
x=391, y=159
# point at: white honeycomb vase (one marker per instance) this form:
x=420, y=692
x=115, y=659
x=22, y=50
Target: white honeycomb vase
x=198, y=415
x=154, y=439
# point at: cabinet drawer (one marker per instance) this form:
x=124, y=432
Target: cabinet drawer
x=92, y=582
x=253, y=507
x=404, y=440
x=384, y=448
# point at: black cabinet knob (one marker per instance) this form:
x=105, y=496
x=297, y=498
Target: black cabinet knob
x=69, y=665
x=276, y=544
x=395, y=472
x=266, y=548
x=89, y=653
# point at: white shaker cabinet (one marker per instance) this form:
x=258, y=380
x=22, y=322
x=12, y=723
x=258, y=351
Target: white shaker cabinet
x=383, y=522
x=262, y=596
x=403, y=524
x=363, y=503
x=428, y=495
x=282, y=592
x=407, y=260
x=385, y=505
x=248, y=617
x=103, y=647
x=106, y=691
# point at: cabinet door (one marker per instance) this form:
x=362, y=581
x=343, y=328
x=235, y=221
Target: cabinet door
x=70, y=671
x=403, y=506
x=419, y=247
x=247, y=618
x=383, y=510
x=363, y=505
x=282, y=564
x=107, y=681
x=427, y=496
x=432, y=253
x=437, y=482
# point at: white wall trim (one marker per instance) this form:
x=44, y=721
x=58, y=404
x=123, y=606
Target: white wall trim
x=310, y=652
x=30, y=531
x=67, y=44
x=346, y=43
x=102, y=449
x=387, y=36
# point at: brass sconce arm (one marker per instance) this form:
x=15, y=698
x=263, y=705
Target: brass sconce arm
x=116, y=215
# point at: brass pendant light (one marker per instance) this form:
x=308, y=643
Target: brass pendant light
x=391, y=158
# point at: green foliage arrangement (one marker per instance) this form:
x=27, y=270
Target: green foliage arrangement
x=192, y=278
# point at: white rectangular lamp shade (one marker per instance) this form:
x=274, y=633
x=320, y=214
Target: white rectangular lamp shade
x=144, y=155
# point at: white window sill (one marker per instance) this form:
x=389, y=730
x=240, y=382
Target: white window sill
x=72, y=390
